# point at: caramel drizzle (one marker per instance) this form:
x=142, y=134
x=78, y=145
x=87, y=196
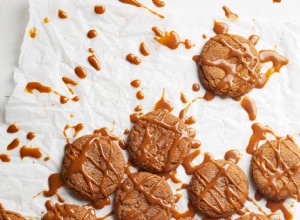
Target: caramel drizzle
x=78, y=165
x=107, y=133
x=163, y=103
x=15, y=143
x=275, y=206
x=149, y=196
x=254, y=39
x=13, y=128
x=68, y=82
x=277, y=173
x=100, y=204
x=144, y=50
x=77, y=128
x=140, y=5
x=55, y=181
x=229, y=14
x=135, y=117
x=233, y=156
x=188, y=119
x=171, y=175
x=133, y=59
x=46, y=89
x=220, y=27
x=209, y=95
x=61, y=212
x=190, y=213
x=172, y=131
x=250, y=107
x=4, y=158
x=231, y=70
x=170, y=40
x=111, y=213
x=278, y=62
x=30, y=152
x=188, y=162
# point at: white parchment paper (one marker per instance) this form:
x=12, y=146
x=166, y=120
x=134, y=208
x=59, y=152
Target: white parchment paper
x=107, y=99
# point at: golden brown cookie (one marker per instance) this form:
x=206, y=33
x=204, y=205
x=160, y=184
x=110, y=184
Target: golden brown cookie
x=275, y=169
x=229, y=65
x=253, y=216
x=68, y=212
x=93, y=166
x=144, y=196
x=218, y=189
x=158, y=142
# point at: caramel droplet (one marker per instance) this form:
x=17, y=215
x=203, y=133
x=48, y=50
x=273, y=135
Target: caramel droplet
x=280, y=205
x=100, y=204
x=46, y=20
x=158, y=3
x=249, y=105
x=135, y=83
x=144, y=50
x=4, y=158
x=92, y=34
x=164, y=103
x=220, y=27
x=135, y=116
x=15, y=143
x=62, y=14
x=13, y=128
x=99, y=9
x=183, y=98
x=187, y=163
x=138, y=108
x=94, y=62
x=204, y=36
x=196, y=58
x=140, y=95
x=80, y=72
x=196, y=87
x=32, y=32
x=208, y=96
x=133, y=59
x=55, y=181
x=229, y=14
x=30, y=152
x=233, y=156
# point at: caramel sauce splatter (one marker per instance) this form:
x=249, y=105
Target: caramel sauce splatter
x=46, y=20
x=100, y=204
x=140, y=95
x=93, y=60
x=258, y=196
x=126, y=131
x=140, y=5
x=55, y=182
x=46, y=89
x=209, y=95
x=4, y=158
x=170, y=40
x=233, y=156
x=30, y=152
x=77, y=128
x=220, y=27
x=190, y=213
x=250, y=107
x=183, y=98
x=144, y=50
x=138, y=108
x=106, y=133
x=196, y=144
x=133, y=59
x=46, y=158
x=30, y=135
x=195, y=58
x=196, y=87
x=80, y=72
x=136, y=83
x=158, y=3
x=229, y=14
x=254, y=39
x=171, y=175
x=135, y=116
x=275, y=206
x=15, y=143
x=99, y=9
x=68, y=82
x=204, y=36
x=164, y=103
x=32, y=32
x=13, y=128
x=183, y=186
x=92, y=34
x=62, y=14
x=188, y=162
x=188, y=119
x=278, y=62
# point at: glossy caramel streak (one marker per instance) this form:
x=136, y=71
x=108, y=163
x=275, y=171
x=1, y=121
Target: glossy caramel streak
x=163, y=103
x=220, y=27
x=250, y=107
x=15, y=143
x=144, y=50
x=158, y=3
x=275, y=206
x=55, y=182
x=254, y=39
x=229, y=14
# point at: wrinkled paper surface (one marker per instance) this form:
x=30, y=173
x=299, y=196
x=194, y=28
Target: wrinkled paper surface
x=107, y=98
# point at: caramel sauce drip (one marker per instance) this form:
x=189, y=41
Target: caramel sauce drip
x=92, y=34
x=62, y=14
x=13, y=128
x=135, y=116
x=133, y=59
x=259, y=133
x=140, y=5
x=258, y=196
x=126, y=131
x=140, y=95
x=233, y=156
x=100, y=204
x=209, y=95
x=106, y=216
x=170, y=40
x=158, y=3
x=229, y=14
x=106, y=133
x=278, y=62
x=183, y=98
x=196, y=87
x=254, y=39
x=190, y=213
x=164, y=103
x=55, y=182
x=77, y=128
x=188, y=119
x=33, y=152
x=4, y=158
x=32, y=32
x=144, y=50
x=138, y=108
x=93, y=60
x=79, y=160
x=99, y=9
x=188, y=162
x=55, y=212
x=46, y=20
x=220, y=27
x=46, y=89
x=127, y=168
x=80, y=72
x=30, y=135
x=46, y=158
x=68, y=82
x=15, y=143
x=149, y=196
x=136, y=83
x=171, y=175
x=179, y=135
x=275, y=206
x=183, y=186
x=196, y=58
x=250, y=107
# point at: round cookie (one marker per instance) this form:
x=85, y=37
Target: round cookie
x=275, y=169
x=93, y=166
x=218, y=189
x=158, y=142
x=144, y=196
x=68, y=212
x=229, y=65
x=5, y=214
x=253, y=216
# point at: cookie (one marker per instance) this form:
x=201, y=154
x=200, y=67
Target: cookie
x=68, y=212
x=229, y=65
x=144, y=196
x=158, y=142
x=218, y=189
x=5, y=215
x=253, y=216
x=275, y=169
x=93, y=166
